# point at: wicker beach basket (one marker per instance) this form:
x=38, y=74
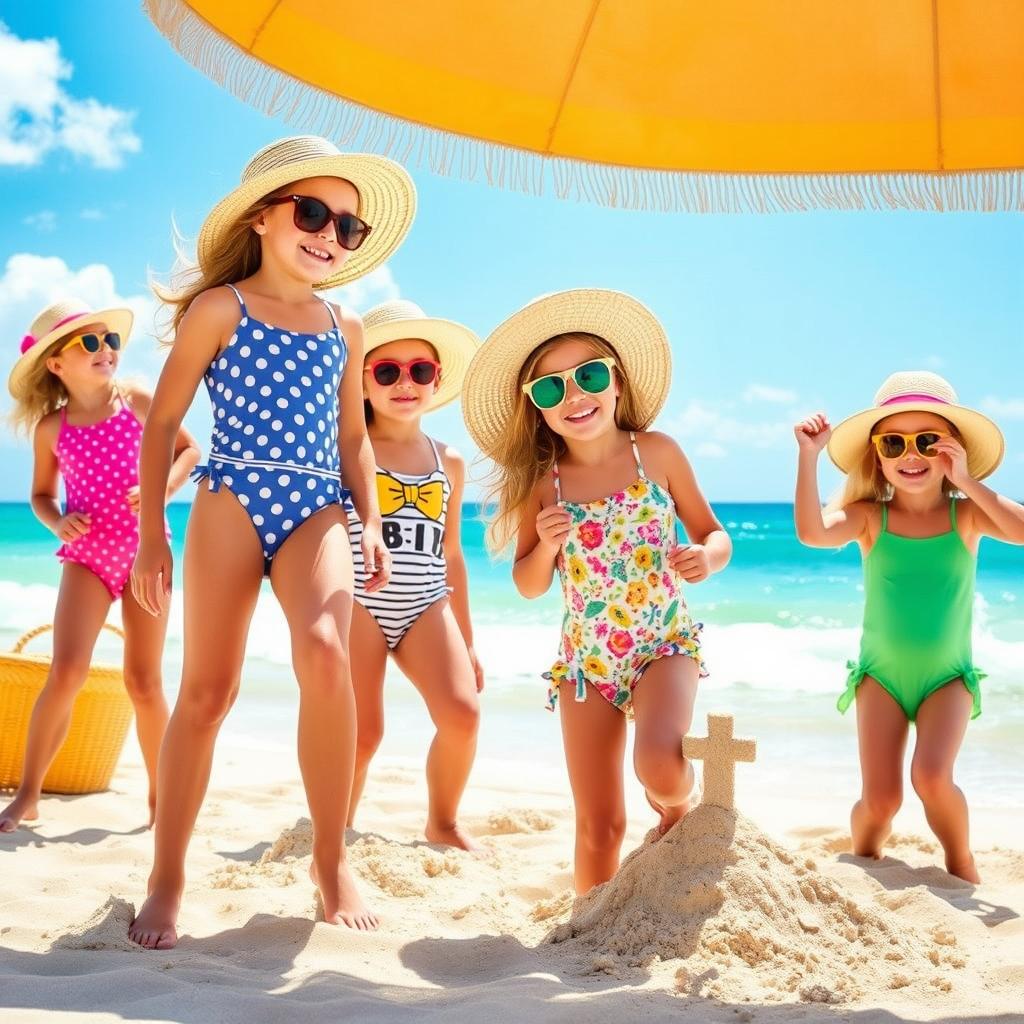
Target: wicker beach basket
x=99, y=721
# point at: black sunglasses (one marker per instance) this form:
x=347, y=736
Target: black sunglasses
x=314, y=215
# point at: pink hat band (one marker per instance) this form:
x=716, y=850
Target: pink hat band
x=914, y=398
x=29, y=340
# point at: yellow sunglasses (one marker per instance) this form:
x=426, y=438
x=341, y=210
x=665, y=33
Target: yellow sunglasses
x=894, y=446
x=93, y=342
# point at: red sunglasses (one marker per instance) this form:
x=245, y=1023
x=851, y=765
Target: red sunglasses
x=389, y=371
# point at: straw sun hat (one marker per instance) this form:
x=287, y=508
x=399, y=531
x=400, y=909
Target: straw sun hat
x=455, y=345
x=492, y=383
x=919, y=391
x=387, y=197
x=59, y=321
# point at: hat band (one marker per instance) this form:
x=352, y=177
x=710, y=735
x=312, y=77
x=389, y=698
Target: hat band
x=29, y=340
x=914, y=398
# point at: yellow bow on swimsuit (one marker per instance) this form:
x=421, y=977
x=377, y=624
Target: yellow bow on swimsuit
x=392, y=495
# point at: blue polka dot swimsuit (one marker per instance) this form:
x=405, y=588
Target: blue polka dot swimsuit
x=275, y=425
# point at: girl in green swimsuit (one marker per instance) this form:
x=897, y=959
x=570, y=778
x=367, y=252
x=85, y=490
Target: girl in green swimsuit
x=914, y=503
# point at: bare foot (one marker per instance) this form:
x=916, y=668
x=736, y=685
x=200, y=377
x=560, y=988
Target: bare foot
x=452, y=835
x=155, y=925
x=965, y=869
x=341, y=901
x=21, y=808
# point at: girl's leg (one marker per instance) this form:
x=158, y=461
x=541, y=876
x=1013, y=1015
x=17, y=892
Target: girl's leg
x=369, y=654
x=882, y=729
x=312, y=577
x=663, y=709
x=82, y=606
x=223, y=571
x=941, y=723
x=433, y=655
x=594, y=734
x=143, y=651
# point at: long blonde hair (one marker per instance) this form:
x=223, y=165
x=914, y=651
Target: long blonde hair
x=530, y=448
x=866, y=482
x=41, y=393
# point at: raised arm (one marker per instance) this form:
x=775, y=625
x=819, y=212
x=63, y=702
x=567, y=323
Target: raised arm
x=813, y=527
x=542, y=531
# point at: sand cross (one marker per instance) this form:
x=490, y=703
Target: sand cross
x=719, y=751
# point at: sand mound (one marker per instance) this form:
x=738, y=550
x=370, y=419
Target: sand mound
x=291, y=844
x=736, y=916
x=513, y=822
x=401, y=870
x=106, y=929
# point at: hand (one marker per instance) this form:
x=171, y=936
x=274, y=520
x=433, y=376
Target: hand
x=553, y=525
x=132, y=497
x=376, y=558
x=690, y=561
x=151, y=576
x=72, y=526
x=953, y=460
x=812, y=434
x=478, y=670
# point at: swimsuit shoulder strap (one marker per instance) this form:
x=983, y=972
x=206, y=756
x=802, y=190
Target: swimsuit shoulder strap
x=64, y=414
x=437, y=455
x=952, y=513
x=885, y=516
x=636, y=455
x=241, y=301
x=330, y=309
x=558, y=483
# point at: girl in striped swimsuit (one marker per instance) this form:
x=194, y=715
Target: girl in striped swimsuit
x=414, y=364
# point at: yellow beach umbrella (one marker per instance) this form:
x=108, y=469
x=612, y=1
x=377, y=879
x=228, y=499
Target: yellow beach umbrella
x=674, y=104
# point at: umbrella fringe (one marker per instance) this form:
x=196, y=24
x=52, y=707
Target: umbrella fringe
x=355, y=127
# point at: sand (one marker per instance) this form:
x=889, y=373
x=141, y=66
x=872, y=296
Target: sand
x=717, y=921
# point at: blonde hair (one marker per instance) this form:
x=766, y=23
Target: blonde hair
x=41, y=392
x=530, y=448
x=867, y=482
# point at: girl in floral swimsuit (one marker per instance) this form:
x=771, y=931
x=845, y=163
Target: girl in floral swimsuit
x=560, y=397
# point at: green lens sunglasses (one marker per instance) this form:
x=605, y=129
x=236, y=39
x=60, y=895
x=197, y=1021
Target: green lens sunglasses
x=593, y=377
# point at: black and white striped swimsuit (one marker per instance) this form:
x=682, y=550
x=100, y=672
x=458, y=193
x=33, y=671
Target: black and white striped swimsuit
x=413, y=510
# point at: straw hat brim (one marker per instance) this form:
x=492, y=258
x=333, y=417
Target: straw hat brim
x=455, y=345
x=982, y=439
x=118, y=320
x=639, y=340
x=387, y=202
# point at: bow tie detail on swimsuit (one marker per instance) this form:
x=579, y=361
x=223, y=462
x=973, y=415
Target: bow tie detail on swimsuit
x=426, y=498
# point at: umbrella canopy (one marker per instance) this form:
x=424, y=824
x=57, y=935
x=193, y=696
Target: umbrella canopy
x=671, y=104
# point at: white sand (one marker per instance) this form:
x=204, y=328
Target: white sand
x=715, y=923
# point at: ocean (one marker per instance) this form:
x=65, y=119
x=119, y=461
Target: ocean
x=780, y=623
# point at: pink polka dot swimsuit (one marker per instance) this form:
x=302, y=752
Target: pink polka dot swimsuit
x=100, y=464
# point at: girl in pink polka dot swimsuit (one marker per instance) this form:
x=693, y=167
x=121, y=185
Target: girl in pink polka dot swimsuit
x=86, y=430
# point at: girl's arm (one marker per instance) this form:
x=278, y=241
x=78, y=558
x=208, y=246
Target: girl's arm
x=813, y=527
x=202, y=332
x=46, y=482
x=994, y=515
x=458, y=578
x=710, y=548
x=186, y=448
x=541, y=534
x=358, y=467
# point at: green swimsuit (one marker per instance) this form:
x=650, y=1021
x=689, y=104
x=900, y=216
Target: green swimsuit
x=918, y=599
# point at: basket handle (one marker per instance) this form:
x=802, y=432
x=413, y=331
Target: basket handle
x=24, y=640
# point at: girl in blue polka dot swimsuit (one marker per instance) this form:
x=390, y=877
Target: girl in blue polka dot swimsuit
x=283, y=369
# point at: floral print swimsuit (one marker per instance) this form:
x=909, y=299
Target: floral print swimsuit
x=623, y=604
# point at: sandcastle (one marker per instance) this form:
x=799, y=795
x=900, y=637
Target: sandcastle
x=727, y=912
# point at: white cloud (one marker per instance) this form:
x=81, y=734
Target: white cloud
x=767, y=393
x=1004, y=408
x=716, y=429
x=92, y=214
x=44, y=220
x=378, y=286
x=37, y=116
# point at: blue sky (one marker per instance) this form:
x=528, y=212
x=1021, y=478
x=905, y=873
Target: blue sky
x=769, y=316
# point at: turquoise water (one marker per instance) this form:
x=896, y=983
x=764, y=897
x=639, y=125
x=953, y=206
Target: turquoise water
x=780, y=623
